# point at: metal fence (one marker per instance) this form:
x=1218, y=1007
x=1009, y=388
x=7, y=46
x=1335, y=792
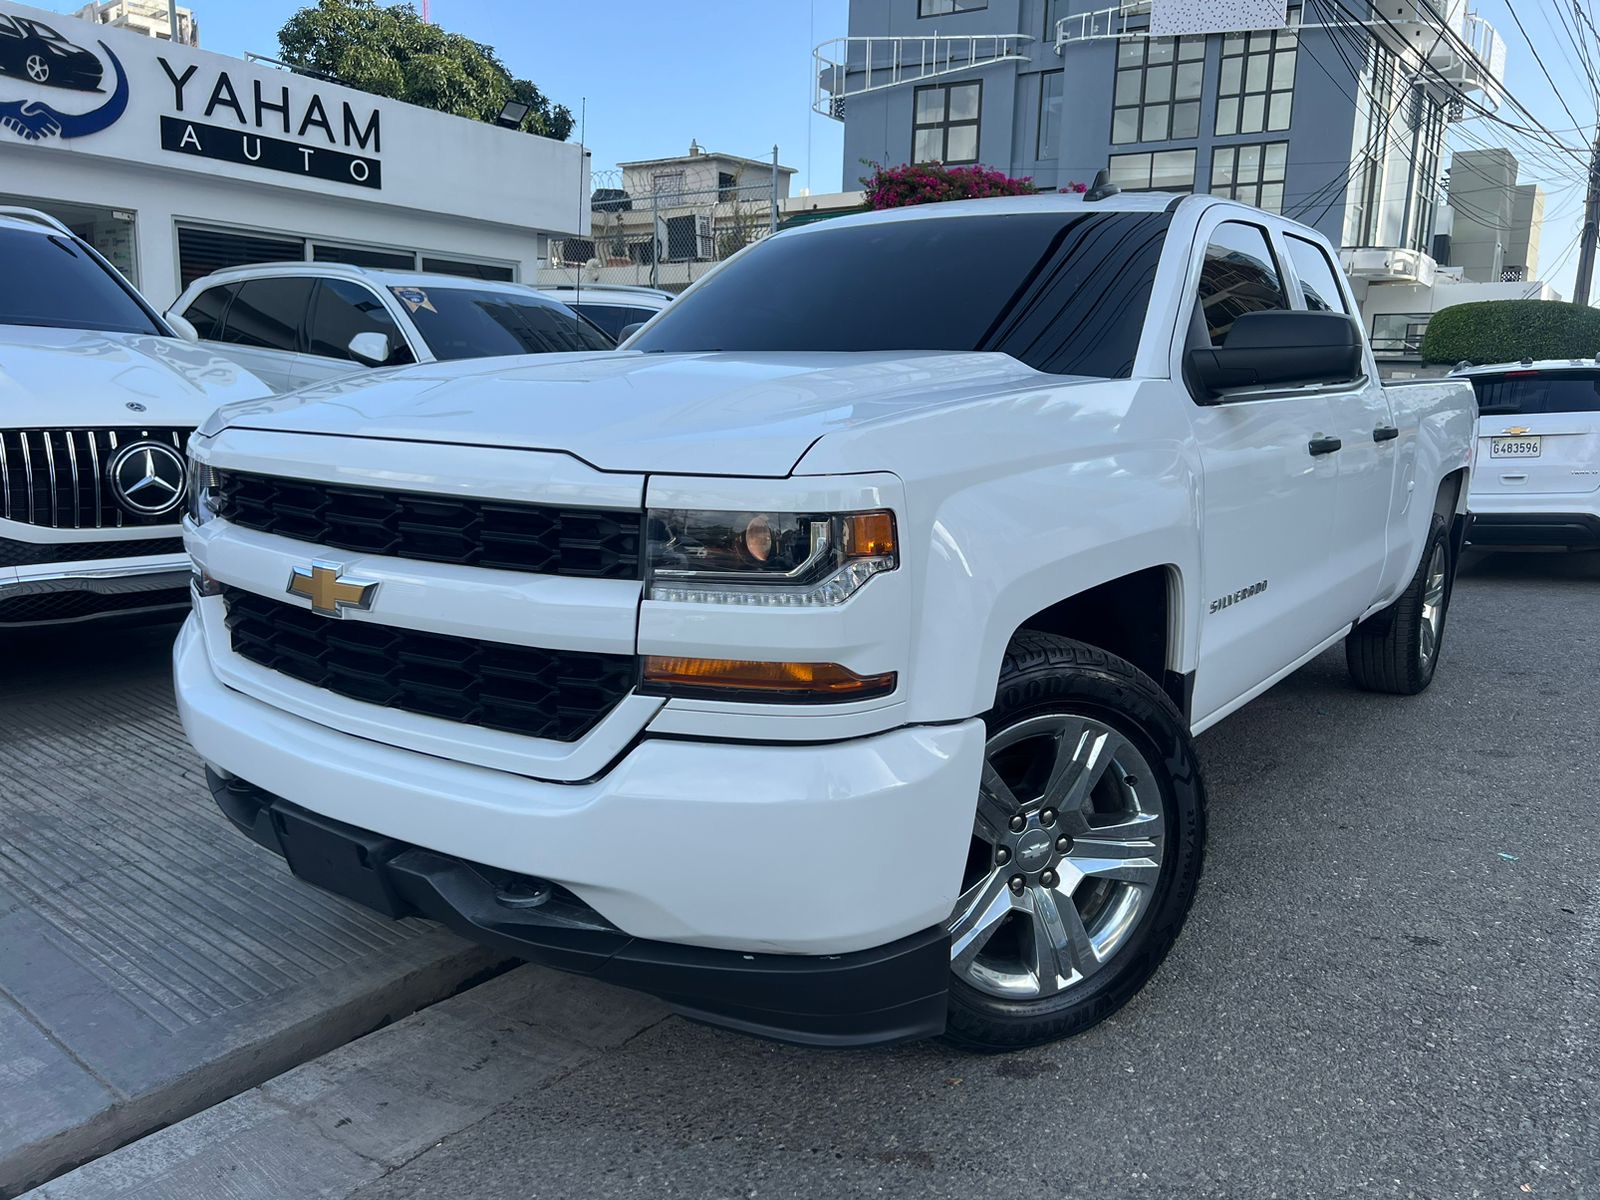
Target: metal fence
x=666, y=238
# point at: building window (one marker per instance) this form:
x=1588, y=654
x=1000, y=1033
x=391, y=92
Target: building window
x=1256, y=89
x=1157, y=96
x=727, y=185
x=1050, y=115
x=1253, y=174
x=944, y=8
x=202, y=250
x=1161, y=171
x=945, y=124
x=364, y=256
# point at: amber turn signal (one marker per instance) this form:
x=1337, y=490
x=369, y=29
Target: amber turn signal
x=871, y=535
x=725, y=678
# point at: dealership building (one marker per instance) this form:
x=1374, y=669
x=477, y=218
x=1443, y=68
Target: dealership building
x=175, y=162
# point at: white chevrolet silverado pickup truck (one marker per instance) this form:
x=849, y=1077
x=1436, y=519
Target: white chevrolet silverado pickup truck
x=826, y=661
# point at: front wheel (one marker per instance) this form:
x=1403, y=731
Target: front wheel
x=1085, y=852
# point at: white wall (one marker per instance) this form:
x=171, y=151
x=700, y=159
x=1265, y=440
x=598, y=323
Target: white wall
x=447, y=184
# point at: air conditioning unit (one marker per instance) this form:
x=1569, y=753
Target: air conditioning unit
x=705, y=237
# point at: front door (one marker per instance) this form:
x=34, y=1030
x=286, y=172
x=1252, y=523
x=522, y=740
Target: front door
x=1267, y=502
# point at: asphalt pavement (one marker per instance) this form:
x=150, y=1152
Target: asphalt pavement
x=1388, y=987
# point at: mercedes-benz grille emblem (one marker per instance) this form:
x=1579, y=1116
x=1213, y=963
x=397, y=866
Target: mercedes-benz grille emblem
x=147, y=478
x=135, y=406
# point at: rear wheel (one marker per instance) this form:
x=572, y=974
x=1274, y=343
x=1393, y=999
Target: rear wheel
x=1397, y=650
x=1086, y=847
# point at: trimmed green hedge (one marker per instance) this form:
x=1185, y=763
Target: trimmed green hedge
x=1496, y=331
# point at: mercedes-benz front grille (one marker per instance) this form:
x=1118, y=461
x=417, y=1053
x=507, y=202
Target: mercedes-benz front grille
x=594, y=543
x=556, y=694
x=58, y=477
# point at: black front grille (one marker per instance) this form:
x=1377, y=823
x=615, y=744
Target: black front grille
x=28, y=554
x=557, y=694
x=58, y=477
x=595, y=543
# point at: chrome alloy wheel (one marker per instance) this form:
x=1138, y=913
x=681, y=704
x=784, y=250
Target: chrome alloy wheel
x=1433, y=600
x=1066, y=853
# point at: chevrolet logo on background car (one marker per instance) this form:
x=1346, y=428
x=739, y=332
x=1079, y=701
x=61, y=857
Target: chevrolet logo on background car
x=329, y=591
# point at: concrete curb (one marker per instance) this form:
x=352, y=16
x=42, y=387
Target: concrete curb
x=333, y=1125
x=432, y=969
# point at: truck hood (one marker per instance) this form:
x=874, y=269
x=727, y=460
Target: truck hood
x=720, y=414
x=78, y=379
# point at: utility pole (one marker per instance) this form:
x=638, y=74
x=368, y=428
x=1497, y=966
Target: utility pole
x=1591, y=225
x=773, y=226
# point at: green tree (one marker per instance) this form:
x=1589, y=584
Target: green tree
x=391, y=51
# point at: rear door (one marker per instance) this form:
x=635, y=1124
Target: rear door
x=264, y=330
x=1538, y=432
x=1371, y=445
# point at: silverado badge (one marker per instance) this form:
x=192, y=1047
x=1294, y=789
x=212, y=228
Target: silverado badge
x=330, y=592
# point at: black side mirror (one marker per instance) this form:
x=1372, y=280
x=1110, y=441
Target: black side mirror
x=1279, y=348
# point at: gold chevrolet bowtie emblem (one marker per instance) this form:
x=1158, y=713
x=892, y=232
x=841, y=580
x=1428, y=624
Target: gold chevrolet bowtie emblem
x=1515, y=429
x=329, y=592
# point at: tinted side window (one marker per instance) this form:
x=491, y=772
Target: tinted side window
x=1534, y=392
x=1317, y=278
x=343, y=309
x=638, y=316
x=1239, y=276
x=269, y=312
x=208, y=309
x=608, y=316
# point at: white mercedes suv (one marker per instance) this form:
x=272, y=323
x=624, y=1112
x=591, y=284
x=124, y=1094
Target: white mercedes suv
x=98, y=396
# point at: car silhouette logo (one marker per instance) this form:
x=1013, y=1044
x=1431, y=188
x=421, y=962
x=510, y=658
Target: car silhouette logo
x=34, y=51
x=35, y=55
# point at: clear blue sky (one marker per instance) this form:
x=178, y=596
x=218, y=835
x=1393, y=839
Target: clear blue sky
x=737, y=78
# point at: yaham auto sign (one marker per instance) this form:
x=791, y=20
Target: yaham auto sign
x=242, y=125
x=58, y=82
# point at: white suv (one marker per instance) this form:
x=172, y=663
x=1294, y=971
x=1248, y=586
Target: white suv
x=1538, y=477
x=98, y=397
x=613, y=307
x=296, y=324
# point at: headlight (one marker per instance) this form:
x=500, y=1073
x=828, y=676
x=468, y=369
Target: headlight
x=766, y=558
x=202, y=487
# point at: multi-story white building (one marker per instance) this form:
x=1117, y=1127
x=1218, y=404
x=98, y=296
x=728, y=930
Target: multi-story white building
x=153, y=18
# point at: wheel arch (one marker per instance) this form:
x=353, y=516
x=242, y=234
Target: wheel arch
x=1135, y=616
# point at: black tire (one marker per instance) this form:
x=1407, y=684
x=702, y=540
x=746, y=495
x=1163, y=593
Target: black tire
x=1385, y=653
x=1045, y=676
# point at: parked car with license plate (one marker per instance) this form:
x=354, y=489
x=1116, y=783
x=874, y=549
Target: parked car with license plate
x=98, y=396
x=1537, y=481
x=830, y=668
x=295, y=324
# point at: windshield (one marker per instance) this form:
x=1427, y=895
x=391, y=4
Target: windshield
x=1538, y=392
x=67, y=288
x=483, y=323
x=1064, y=293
